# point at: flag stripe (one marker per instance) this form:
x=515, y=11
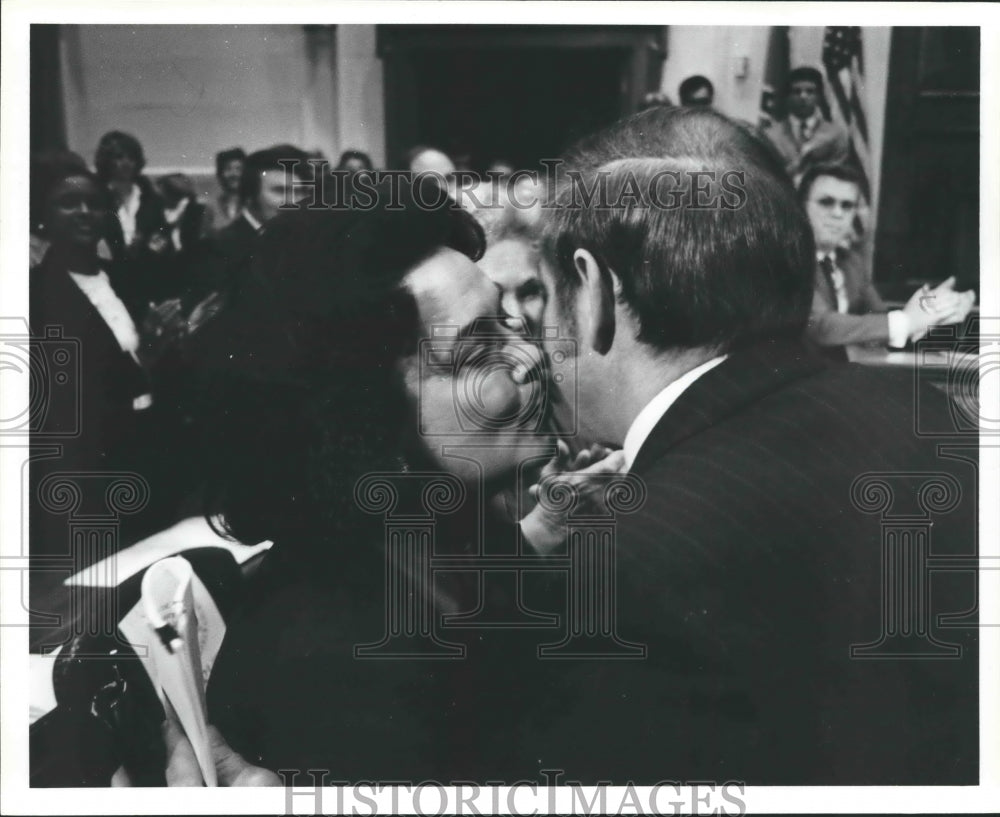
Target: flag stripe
x=842, y=58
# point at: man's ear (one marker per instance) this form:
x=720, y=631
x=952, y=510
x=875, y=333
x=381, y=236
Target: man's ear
x=597, y=286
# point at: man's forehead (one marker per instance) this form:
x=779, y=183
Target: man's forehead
x=832, y=186
x=451, y=290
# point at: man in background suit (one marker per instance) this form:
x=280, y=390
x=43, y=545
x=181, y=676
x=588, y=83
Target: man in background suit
x=805, y=135
x=264, y=187
x=847, y=308
x=751, y=569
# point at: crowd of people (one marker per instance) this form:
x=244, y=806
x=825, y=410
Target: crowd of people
x=256, y=364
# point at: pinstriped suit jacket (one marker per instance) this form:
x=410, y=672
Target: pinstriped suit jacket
x=749, y=573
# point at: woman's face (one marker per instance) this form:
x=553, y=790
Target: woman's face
x=476, y=384
x=512, y=264
x=74, y=212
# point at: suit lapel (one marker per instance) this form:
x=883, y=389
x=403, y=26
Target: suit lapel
x=742, y=379
x=846, y=263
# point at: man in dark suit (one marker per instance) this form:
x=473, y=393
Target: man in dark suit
x=265, y=186
x=847, y=308
x=805, y=136
x=753, y=572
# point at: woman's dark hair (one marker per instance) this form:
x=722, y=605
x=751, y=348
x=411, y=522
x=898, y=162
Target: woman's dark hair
x=302, y=392
x=354, y=155
x=48, y=169
x=112, y=143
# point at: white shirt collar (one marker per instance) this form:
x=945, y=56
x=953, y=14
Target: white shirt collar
x=812, y=121
x=647, y=419
x=127, y=212
x=252, y=221
x=131, y=201
x=109, y=306
x=173, y=215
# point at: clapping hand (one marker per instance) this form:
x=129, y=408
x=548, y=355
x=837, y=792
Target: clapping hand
x=939, y=306
x=949, y=306
x=204, y=311
x=163, y=325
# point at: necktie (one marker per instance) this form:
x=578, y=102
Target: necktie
x=828, y=267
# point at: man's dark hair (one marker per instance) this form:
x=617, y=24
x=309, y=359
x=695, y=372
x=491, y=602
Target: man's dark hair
x=689, y=87
x=355, y=155
x=805, y=73
x=269, y=159
x=723, y=276
x=111, y=143
x=300, y=385
x=224, y=157
x=844, y=172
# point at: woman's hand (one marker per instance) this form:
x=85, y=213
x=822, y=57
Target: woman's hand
x=204, y=311
x=231, y=768
x=163, y=326
x=586, y=475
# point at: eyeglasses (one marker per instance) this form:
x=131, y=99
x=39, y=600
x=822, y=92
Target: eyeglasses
x=830, y=203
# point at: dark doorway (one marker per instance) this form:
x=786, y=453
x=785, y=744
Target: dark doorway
x=928, y=224
x=518, y=93
x=525, y=106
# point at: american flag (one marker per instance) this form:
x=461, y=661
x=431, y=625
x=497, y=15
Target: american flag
x=845, y=74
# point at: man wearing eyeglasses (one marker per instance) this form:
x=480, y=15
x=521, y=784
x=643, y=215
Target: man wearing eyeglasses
x=846, y=307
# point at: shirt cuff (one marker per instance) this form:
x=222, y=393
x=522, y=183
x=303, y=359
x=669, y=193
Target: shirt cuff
x=899, y=329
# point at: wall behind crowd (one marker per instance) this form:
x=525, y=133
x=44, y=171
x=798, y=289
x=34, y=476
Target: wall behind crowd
x=188, y=92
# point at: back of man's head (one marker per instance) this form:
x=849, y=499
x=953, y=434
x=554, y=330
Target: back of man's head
x=694, y=215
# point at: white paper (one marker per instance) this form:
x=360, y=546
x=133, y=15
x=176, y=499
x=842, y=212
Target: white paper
x=185, y=535
x=173, y=596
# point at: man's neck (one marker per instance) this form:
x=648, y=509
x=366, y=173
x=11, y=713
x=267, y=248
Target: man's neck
x=644, y=379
